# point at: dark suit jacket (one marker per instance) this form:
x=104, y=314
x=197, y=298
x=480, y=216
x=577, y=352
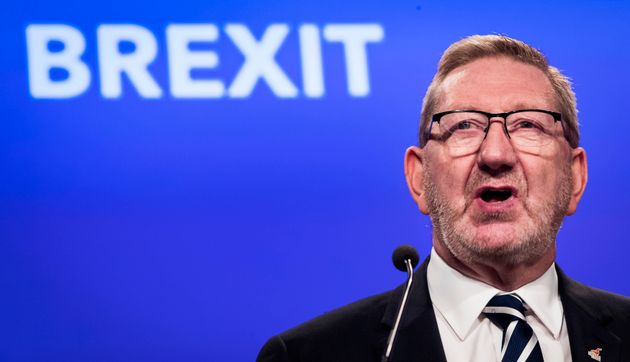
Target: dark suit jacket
x=359, y=331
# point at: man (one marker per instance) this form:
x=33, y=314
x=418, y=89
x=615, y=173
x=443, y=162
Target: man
x=498, y=168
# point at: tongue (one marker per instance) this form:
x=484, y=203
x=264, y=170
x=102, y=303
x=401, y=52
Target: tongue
x=494, y=199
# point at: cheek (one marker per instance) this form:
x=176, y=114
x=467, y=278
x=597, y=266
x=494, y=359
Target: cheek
x=454, y=180
x=543, y=177
x=451, y=178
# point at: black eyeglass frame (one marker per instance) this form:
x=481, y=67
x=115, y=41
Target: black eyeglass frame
x=557, y=117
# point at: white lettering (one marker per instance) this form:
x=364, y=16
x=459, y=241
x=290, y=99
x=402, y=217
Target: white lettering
x=181, y=60
x=56, y=70
x=354, y=38
x=113, y=63
x=41, y=61
x=259, y=61
x=311, y=54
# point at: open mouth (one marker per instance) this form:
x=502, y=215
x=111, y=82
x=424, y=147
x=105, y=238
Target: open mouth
x=491, y=194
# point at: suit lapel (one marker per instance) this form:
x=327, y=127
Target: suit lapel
x=586, y=322
x=418, y=337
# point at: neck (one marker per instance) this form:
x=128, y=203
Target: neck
x=503, y=276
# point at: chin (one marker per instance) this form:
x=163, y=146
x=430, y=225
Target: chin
x=499, y=244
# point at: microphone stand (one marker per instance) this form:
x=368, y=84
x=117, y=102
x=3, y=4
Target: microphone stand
x=401, y=308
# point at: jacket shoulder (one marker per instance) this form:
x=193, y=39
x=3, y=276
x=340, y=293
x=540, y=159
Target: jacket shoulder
x=609, y=308
x=350, y=333
x=617, y=306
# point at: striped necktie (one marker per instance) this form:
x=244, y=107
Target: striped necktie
x=519, y=341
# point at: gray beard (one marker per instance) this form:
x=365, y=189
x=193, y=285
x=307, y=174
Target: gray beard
x=530, y=243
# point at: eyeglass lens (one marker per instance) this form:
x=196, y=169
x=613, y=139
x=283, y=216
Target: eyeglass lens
x=464, y=132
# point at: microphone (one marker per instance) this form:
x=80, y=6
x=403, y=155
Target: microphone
x=405, y=258
x=401, y=254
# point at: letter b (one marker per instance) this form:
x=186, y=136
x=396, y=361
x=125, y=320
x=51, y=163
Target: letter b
x=41, y=60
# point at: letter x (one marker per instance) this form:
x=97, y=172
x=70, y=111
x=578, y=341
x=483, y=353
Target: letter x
x=259, y=61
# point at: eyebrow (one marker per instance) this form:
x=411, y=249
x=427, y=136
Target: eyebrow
x=517, y=106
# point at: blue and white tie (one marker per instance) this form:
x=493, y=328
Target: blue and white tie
x=519, y=341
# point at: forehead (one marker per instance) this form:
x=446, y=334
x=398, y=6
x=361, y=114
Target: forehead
x=496, y=85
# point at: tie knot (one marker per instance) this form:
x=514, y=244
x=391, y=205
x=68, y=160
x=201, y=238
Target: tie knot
x=503, y=309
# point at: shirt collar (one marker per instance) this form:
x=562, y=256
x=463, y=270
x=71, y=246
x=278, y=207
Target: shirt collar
x=461, y=299
x=542, y=298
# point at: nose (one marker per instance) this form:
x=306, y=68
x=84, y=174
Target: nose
x=496, y=153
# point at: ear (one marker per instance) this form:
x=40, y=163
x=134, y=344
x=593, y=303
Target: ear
x=579, y=170
x=414, y=173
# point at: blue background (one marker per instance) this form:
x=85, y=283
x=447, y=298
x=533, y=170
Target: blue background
x=193, y=230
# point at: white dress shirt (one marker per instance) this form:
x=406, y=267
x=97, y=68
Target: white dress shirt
x=467, y=335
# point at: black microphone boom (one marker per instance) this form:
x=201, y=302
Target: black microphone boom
x=405, y=258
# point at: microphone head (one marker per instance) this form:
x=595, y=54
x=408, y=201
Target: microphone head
x=403, y=253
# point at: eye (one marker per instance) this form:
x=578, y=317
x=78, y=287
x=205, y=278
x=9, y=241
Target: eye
x=466, y=125
x=462, y=124
x=526, y=124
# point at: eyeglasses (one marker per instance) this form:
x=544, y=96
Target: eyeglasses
x=464, y=130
